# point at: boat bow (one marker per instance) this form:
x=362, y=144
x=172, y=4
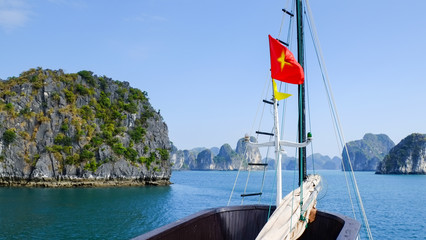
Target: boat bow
x=290, y=218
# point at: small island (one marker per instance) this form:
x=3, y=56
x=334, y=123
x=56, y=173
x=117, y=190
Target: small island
x=79, y=129
x=366, y=153
x=407, y=157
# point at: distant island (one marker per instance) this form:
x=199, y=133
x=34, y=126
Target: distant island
x=377, y=152
x=407, y=157
x=366, y=153
x=374, y=152
x=227, y=158
x=79, y=129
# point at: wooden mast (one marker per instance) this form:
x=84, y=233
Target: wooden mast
x=301, y=93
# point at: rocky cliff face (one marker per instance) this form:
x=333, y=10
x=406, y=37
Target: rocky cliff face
x=206, y=159
x=407, y=157
x=252, y=154
x=79, y=129
x=227, y=159
x=182, y=159
x=365, y=154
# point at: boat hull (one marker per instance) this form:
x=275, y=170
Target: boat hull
x=245, y=222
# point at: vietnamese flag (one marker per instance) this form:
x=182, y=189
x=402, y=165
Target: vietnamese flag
x=284, y=66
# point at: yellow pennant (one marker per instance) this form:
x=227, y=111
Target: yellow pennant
x=279, y=95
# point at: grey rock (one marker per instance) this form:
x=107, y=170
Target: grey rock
x=205, y=161
x=40, y=110
x=407, y=157
x=365, y=154
x=45, y=168
x=105, y=152
x=252, y=154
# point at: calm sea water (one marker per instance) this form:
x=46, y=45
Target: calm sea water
x=395, y=205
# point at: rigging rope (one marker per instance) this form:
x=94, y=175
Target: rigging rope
x=264, y=172
x=309, y=113
x=300, y=149
x=335, y=129
x=339, y=127
x=332, y=112
x=245, y=188
x=235, y=183
x=294, y=184
x=265, y=88
x=282, y=19
x=289, y=41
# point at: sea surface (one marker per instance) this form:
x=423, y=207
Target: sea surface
x=395, y=204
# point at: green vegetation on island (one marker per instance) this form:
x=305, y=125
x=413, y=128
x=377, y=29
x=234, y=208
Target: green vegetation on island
x=60, y=125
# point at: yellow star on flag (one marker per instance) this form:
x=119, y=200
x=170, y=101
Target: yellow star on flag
x=281, y=59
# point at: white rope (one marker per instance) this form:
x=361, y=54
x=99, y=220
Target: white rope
x=235, y=183
x=327, y=82
x=263, y=110
x=289, y=41
x=264, y=93
x=330, y=104
x=245, y=188
x=282, y=19
x=265, y=88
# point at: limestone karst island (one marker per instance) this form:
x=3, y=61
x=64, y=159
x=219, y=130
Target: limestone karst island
x=79, y=129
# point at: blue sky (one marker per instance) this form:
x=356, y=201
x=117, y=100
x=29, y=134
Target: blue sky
x=204, y=63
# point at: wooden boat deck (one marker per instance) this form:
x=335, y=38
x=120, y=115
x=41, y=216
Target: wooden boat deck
x=245, y=222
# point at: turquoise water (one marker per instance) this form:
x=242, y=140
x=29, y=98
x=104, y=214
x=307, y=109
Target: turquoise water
x=395, y=205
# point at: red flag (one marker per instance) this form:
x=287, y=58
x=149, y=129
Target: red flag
x=284, y=66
